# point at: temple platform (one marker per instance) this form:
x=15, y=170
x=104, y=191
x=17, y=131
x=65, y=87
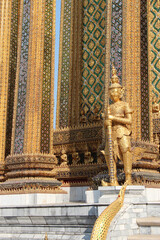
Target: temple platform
x=32, y=216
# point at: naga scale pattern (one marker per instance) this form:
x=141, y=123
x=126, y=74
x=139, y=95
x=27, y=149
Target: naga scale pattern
x=103, y=222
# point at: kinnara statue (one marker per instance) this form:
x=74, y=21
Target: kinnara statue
x=117, y=124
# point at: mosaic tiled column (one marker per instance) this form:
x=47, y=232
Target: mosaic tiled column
x=154, y=48
x=5, y=27
x=131, y=62
x=93, y=57
x=70, y=59
x=62, y=116
x=12, y=71
x=31, y=151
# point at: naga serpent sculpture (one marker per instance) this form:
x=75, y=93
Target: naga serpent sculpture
x=103, y=222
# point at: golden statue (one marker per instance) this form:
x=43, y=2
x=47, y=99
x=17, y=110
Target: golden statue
x=117, y=124
x=155, y=105
x=63, y=158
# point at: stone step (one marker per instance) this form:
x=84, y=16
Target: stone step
x=148, y=221
x=69, y=222
x=144, y=237
x=58, y=229
x=51, y=236
x=47, y=220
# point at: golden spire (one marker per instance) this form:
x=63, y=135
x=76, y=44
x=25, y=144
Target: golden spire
x=114, y=79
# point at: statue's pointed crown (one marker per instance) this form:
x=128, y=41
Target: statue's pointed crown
x=114, y=79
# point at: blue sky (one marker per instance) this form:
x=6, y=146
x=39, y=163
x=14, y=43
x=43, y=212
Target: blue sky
x=58, y=12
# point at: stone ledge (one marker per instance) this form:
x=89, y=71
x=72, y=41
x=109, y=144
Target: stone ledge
x=144, y=237
x=109, y=194
x=149, y=221
x=52, y=236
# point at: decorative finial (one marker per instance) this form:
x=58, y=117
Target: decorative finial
x=114, y=79
x=46, y=237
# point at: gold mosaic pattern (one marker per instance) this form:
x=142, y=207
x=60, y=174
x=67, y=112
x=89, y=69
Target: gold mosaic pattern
x=64, y=64
x=21, y=78
x=33, y=108
x=117, y=36
x=35, y=74
x=12, y=72
x=47, y=74
x=131, y=62
x=5, y=27
x=75, y=62
x=145, y=121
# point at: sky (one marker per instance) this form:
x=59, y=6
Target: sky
x=58, y=11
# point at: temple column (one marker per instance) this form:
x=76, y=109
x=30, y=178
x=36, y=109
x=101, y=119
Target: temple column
x=5, y=29
x=31, y=151
x=131, y=62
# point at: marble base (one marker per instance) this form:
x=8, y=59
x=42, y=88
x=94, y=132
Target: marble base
x=32, y=199
x=69, y=194
x=133, y=194
x=76, y=194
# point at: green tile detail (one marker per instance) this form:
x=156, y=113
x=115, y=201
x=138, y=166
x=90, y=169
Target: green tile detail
x=85, y=4
x=157, y=86
x=91, y=27
x=156, y=6
x=153, y=36
x=157, y=45
x=154, y=16
x=98, y=88
x=97, y=15
x=85, y=91
x=97, y=34
x=85, y=55
x=98, y=70
x=97, y=52
x=102, y=5
x=156, y=25
x=85, y=37
x=91, y=9
x=154, y=74
x=91, y=99
x=91, y=44
x=157, y=65
x=93, y=55
x=102, y=41
x=91, y=62
x=155, y=56
x=91, y=80
x=97, y=1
